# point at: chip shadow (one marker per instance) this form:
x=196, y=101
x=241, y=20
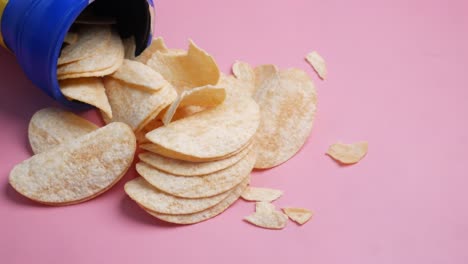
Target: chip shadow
x=131, y=210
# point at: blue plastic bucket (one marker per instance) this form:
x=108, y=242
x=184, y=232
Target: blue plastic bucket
x=34, y=30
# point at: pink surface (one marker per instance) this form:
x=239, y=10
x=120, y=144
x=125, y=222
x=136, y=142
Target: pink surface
x=397, y=78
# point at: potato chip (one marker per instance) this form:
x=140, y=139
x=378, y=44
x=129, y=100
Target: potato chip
x=87, y=90
x=187, y=168
x=255, y=194
x=264, y=207
x=198, y=187
x=152, y=125
x=130, y=48
x=157, y=201
x=298, y=215
x=206, y=96
x=77, y=170
x=156, y=45
x=245, y=73
x=207, y=214
x=348, y=153
x=135, y=107
x=51, y=127
x=185, y=71
x=264, y=73
x=318, y=63
x=186, y=111
x=198, y=138
x=91, y=41
x=100, y=64
x=287, y=101
x=267, y=216
x=138, y=75
x=71, y=38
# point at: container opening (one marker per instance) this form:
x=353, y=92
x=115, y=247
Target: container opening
x=132, y=18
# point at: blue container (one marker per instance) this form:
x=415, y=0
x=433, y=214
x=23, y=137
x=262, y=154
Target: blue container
x=34, y=30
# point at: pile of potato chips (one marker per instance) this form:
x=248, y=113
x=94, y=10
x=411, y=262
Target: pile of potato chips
x=202, y=132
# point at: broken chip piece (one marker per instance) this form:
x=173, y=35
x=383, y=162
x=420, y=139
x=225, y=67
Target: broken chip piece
x=318, y=63
x=348, y=153
x=255, y=194
x=267, y=216
x=298, y=215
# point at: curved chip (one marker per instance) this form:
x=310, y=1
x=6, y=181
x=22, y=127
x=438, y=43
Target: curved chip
x=90, y=41
x=298, y=215
x=267, y=216
x=246, y=74
x=210, y=135
x=87, y=90
x=71, y=38
x=287, y=101
x=187, y=168
x=206, y=96
x=156, y=45
x=184, y=71
x=318, y=63
x=157, y=201
x=129, y=48
x=138, y=75
x=135, y=107
x=348, y=153
x=98, y=65
x=77, y=170
x=51, y=127
x=206, y=214
x=256, y=194
x=198, y=187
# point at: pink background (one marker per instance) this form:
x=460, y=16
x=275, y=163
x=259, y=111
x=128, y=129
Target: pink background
x=397, y=78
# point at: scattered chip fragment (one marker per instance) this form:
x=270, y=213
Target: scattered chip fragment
x=298, y=215
x=348, y=153
x=255, y=194
x=318, y=63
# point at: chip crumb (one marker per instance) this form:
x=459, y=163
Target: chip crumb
x=348, y=153
x=318, y=63
x=255, y=194
x=298, y=215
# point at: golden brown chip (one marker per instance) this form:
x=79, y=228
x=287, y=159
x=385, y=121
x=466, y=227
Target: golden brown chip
x=185, y=71
x=348, y=153
x=298, y=215
x=51, y=127
x=90, y=42
x=318, y=63
x=157, y=201
x=130, y=48
x=77, y=170
x=157, y=45
x=287, y=102
x=71, y=38
x=87, y=90
x=135, y=107
x=187, y=168
x=256, y=194
x=99, y=64
x=138, y=75
x=206, y=96
x=267, y=216
x=210, y=135
x=201, y=186
x=246, y=75
x=206, y=214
